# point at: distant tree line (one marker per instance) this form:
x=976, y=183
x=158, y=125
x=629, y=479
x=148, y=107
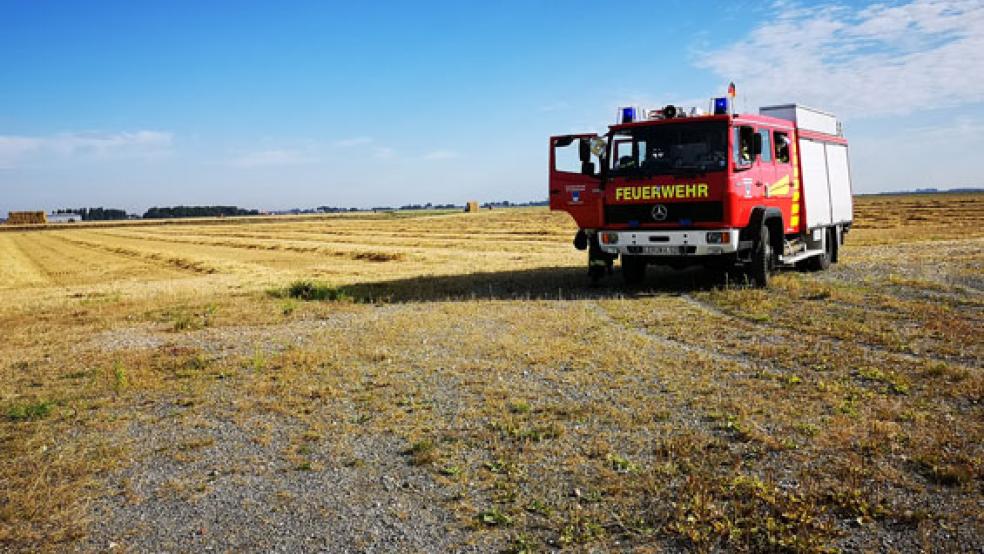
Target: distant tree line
x=335, y=209
x=429, y=206
x=934, y=191
x=197, y=211
x=95, y=214
x=508, y=204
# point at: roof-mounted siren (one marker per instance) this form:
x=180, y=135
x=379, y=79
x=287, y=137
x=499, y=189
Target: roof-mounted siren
x=670, y=111
x=628, y=114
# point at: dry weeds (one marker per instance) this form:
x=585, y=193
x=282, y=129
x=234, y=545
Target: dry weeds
x=447, y=382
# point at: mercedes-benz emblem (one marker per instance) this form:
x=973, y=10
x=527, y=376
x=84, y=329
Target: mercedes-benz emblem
x=659, y=212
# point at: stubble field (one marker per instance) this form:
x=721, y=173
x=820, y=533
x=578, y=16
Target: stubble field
x=447, y=382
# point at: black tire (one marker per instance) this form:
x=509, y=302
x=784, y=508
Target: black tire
x=822, y=262
x=834, y=245
x=761, y=265
x=595, y=274
x=633, y=270
x=717, y=270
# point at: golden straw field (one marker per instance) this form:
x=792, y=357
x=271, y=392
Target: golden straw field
x=448, y=382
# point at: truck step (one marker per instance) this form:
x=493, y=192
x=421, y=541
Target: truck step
x=790, y=260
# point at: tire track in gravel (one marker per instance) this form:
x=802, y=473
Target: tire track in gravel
x=679, y=345
x=791, y=334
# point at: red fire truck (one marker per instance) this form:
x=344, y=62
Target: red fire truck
x=677, y=187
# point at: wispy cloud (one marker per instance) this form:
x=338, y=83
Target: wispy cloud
x=354, y=141
x=15, y=150
x=872, y=61
x=440, y=155
x=384, y=153
x=272, y=157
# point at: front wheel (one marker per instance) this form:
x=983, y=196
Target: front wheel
x=761, y=264
x=595, y=274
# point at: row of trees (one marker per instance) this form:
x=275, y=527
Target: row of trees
x=429, y=206
x=197, y=211
x=95, y=214
x=107, y=214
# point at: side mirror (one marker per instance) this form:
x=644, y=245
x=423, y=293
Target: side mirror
x=585, y=150
x=598, y=146
x=561, y=142
x=756, y=145
x=587, y=168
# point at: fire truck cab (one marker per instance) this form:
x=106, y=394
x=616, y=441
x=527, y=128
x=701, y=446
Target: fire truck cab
x=679, y=187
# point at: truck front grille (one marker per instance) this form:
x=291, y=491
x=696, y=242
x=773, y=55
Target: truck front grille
x=681, y=213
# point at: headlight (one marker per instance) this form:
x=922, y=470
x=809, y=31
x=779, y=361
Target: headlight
x=609, y=238
x=718, y=237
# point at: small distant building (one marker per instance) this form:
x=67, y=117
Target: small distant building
x=64, y=218
x=471, y=207
x=27, y=218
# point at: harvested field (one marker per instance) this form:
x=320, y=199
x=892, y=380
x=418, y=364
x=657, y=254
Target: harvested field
x=447, y=382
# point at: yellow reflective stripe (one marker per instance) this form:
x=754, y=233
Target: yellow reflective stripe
x=780, y=187
x=796, y=209
x=794, y=221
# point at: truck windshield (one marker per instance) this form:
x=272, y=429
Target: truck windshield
x=670, y=149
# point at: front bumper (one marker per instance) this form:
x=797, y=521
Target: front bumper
x=692, y=242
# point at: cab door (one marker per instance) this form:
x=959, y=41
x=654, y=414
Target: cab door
x=575, y=179
x=764, y=162
x=751, y=175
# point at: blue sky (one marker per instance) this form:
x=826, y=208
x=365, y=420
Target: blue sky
x=299, y=104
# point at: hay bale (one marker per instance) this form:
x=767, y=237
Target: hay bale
x=27, y=218
x=472, y=207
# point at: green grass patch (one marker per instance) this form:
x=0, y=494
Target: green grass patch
x=29, y=411
x=311, y=291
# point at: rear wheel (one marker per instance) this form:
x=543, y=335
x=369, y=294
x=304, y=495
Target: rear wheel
x=633, y=270
x=761, y=264
x=822, y=261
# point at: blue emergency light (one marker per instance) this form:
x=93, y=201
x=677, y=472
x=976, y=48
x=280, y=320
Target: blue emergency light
x=721, y=106
x=628, y=115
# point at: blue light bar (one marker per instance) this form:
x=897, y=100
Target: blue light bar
x=628, y=115
x=721, y=106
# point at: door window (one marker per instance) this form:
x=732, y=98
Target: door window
x=782, y=147
x=766, y=155
x=567, y=157
x=742, y=145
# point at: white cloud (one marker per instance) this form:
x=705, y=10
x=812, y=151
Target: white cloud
x=873, y=61
x=941, y=156
x=384, y=153
x=354, y=141
x=273, y=157
x=440, y=155
x=15, y=150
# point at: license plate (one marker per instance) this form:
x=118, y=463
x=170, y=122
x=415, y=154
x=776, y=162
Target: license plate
x=661, y=250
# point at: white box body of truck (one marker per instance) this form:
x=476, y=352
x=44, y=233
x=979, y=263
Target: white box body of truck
x=826, y=174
